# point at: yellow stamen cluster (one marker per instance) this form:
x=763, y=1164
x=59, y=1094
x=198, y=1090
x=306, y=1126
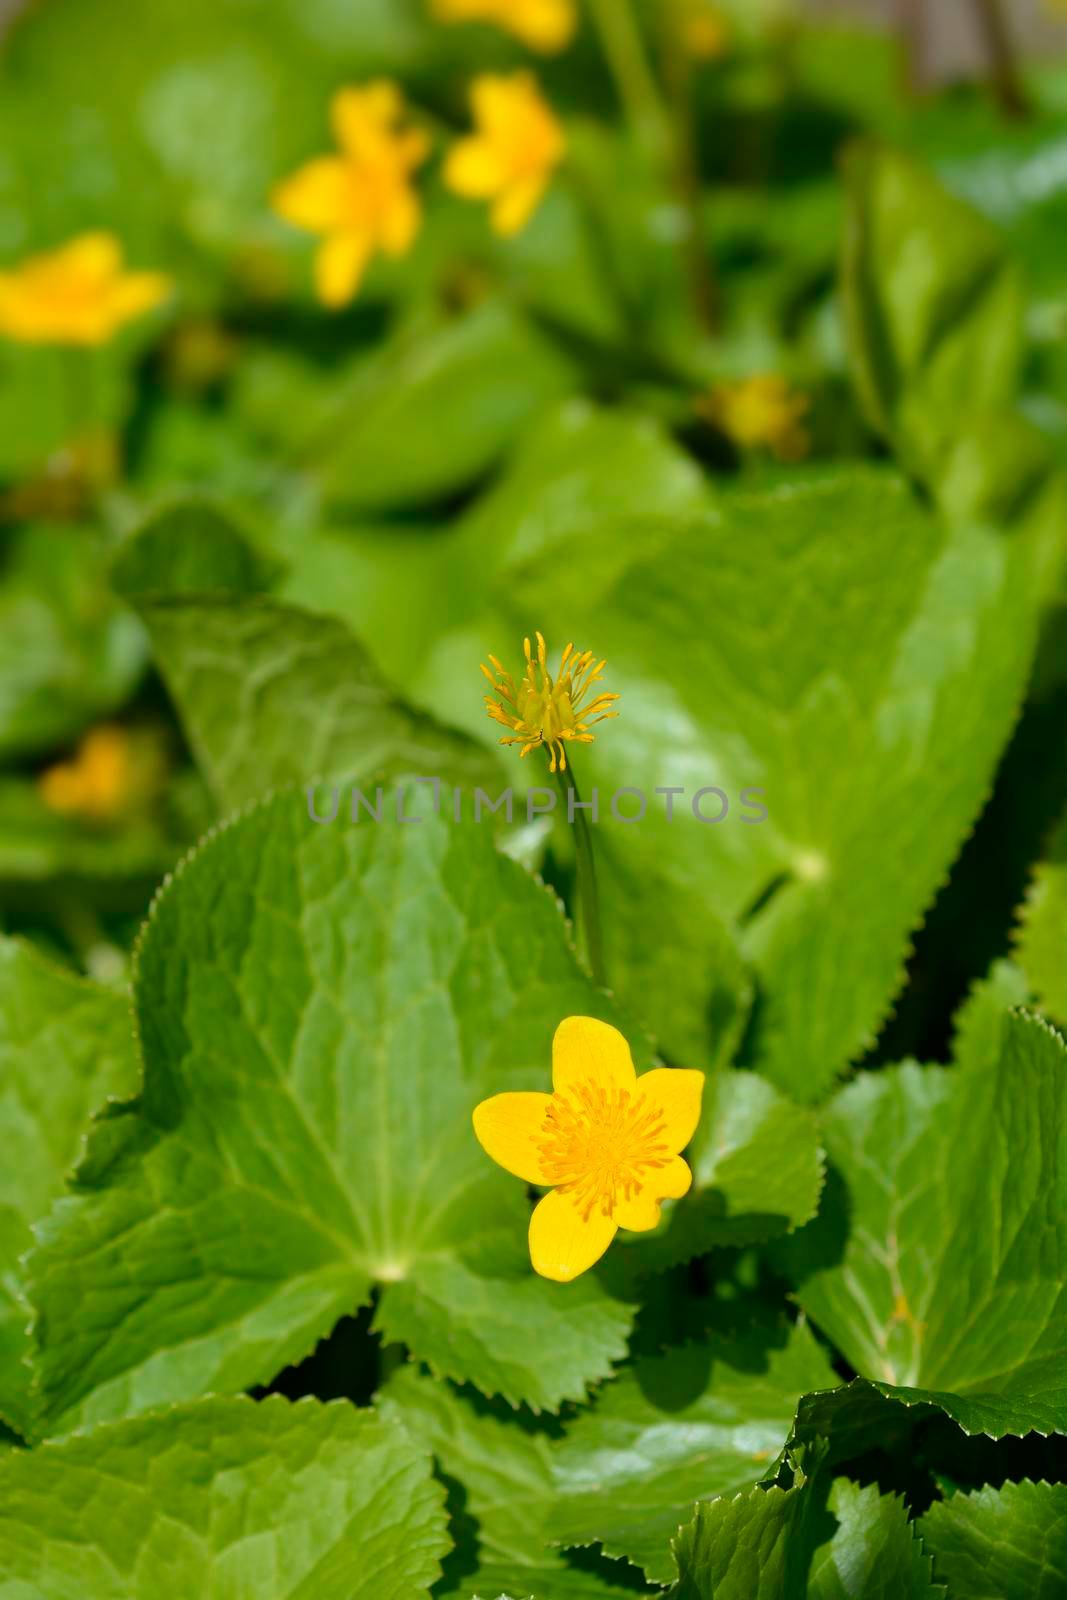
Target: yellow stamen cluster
x=547, y=711
x=600, y=1143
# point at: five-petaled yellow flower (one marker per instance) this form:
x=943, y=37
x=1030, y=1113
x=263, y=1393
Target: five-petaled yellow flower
x=79, y=294
x=547, y=712
x=762, y=411
x=607, y=1140
x=510, y=158
x=545, y=25
x=96, y=783
x=361, y=199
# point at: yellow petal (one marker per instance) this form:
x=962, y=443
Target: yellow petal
x=138, y=292
x=499, y=101
x=643, y=1210
x=509, y=1127
x=401, y=222
x=585, y=1050
x=564, y=1243
x=475, y=168
x=340, y=263
x=546, y=25
x=517, y=205
x=96, y=256
x=677, y=1091
x=361, y=115
x=316, y=197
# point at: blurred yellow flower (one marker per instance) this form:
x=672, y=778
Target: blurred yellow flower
x=705, y=31
x=96, y=783
x=541, y=712
x=511, y=157
x=760, y=412
x=607, y=1140
x=360, y=200
x=544, y=25
x=76, y=295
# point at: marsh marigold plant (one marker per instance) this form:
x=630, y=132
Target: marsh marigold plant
x=509, y=159
x=80, y=294
x=607, y=1142
x=360, y=200
x=543, y=25
x=546, y=712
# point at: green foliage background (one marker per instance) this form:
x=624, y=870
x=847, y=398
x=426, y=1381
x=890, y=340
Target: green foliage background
x=267, y=1320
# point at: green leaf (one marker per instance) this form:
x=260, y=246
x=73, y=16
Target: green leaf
x=65, y=1046
x=978, y=1026
x=37, y=843
x=1009, y=1542
x=829, y=644
x=224, y=1499
x=1041, y=944
x=693, y=1423
x=874, y=1554
x=393, y=435
x=320, y=1008
x=190, y=546
x=757, y=1546
x=938, y=1261
x=757, y=1171
x=68, y=653
x=270, y=696
x=499, y=1470
x=933, y=307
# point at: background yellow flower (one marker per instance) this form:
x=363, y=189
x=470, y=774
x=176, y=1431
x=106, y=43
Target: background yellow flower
x=511, y=156
x=361, y=200
x=79, y=294
x=544, y=25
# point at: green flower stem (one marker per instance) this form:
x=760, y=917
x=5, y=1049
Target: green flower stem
x=625, y=52
x=587, y=889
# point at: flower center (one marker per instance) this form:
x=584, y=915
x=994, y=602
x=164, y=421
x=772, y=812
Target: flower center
x=599, y=1144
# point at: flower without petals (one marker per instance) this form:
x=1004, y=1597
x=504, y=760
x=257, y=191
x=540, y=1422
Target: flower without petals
x=545, y=25
x=79, y=294
x=607, y=1141
x=547, y=711
x=517, y=144
x=361, y=200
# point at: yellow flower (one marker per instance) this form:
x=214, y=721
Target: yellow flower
x=360, y=200
x=542, y=712
x=78, y=294
x=545, y=25
x=607, y=1140
x=96, y=784
x=705, y=32
x=511, y=157
x=761, y=411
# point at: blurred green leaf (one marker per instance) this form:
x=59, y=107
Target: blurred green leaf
x=433, y=409
x=68, y=653
x=192, y=545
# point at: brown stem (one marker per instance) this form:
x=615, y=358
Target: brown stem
x=678, y=76
x=1005, y=75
